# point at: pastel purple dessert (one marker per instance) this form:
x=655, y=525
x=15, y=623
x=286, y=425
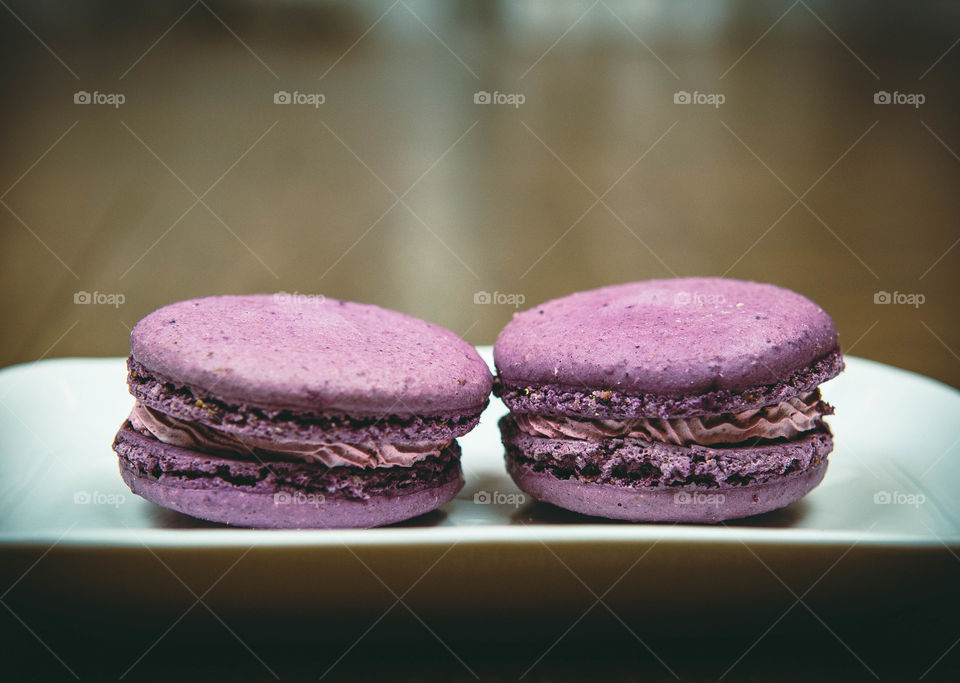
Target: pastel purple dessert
x=685, y=400
x=297, y=412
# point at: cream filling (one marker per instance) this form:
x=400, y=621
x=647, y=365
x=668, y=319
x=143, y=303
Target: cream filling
x=204, y=438
x=784, y=420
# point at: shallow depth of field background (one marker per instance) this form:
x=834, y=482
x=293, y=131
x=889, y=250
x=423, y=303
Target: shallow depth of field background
x=400, y=189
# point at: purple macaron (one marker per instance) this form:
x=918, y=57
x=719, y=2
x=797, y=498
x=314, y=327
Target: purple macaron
x=288, y=411
x=685, y=400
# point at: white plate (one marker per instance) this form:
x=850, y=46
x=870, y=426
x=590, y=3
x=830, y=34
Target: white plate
x=893, y=477
x=887, y=511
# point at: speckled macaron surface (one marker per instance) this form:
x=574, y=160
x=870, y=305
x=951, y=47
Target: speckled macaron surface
x=685, y=400
x=665, y=348
x=312, y=354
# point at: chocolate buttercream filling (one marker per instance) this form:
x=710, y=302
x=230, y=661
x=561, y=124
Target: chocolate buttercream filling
x=199, y=437
x=785, y=420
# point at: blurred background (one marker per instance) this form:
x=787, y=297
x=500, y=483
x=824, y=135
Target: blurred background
x=419, y=154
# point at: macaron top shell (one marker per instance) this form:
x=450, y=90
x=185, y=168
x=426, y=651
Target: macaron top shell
x=311, y=354
x=667, y=338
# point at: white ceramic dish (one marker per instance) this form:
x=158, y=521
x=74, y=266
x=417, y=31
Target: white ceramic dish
x=893, y=477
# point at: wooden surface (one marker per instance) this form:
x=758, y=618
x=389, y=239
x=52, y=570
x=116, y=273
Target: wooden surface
x=588, y=643
x=798, y=178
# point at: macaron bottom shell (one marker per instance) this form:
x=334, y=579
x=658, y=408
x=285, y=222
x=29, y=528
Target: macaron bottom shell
x=261, y=511
x=647, y=481
x=286, y=494
x=692, y=504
